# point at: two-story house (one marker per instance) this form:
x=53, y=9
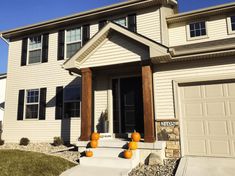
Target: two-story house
x=137, y=64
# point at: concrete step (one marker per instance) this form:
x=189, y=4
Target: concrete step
x=158, y=145
x=109, y=152
x=109, y=162
x=97, y=171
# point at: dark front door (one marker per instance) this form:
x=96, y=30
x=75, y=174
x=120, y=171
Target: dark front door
x=131, y=105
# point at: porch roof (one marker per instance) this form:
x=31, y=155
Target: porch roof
x=156, y=50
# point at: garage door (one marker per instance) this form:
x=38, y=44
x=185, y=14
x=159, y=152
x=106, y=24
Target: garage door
x=208, y=118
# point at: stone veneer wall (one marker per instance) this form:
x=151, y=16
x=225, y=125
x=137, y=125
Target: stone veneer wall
x=169, y=131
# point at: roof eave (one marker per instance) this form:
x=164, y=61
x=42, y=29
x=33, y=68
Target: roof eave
x=91, y=14
x=201, y=13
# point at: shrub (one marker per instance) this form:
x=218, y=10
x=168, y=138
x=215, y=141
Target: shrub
x=1, y=142
x=24, y=141
x=58, y=141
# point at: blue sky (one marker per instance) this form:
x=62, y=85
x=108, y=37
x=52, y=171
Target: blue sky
x=16, y=13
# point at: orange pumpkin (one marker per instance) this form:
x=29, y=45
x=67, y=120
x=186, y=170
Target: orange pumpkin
x=135, y=136
x=128, y=154
x=95, y=136
x=89, y=153
x=94, y=144
x=133, y=145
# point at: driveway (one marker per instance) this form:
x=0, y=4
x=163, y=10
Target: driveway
x=206, y=166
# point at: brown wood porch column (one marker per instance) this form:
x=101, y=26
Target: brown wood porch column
x=147, y=81
x=86, y=109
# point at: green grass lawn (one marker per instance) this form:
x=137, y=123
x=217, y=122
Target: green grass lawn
x=22, y=163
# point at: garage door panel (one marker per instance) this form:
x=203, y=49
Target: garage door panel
x=196, y=147
x=216, y=109
x=194, y=128
x=192, y=93
x=214, y=90
x=193, y=110
x=217, y=128
x=231, y=88
x=208, y=118
x=232, y=108
x=233, y=128
x=219, y=148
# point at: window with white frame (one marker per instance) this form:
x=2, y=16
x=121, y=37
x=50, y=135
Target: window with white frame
x=121, y=21
x=232, y=18
x=35, y=49
x=73, y=41
x=32, y=104
x=197, y=29
x=72, y=101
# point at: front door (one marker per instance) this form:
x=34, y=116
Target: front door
x=129, y=105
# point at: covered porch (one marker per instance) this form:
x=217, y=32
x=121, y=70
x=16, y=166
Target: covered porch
x=117, y=83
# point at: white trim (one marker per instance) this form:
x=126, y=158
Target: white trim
x=28, y=50
x=188, y=36
x=65, y=39
x=26, y=103
x=229, y=25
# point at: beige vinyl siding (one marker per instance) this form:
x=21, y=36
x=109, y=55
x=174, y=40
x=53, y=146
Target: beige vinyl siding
x=148, y=23
x=216, y=29
x=100, y=97
x=164, y=75
x=116, y=50
x=164, y=13
x=49, y=75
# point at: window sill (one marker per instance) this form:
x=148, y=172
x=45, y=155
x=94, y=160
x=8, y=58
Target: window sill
x=231, y=32
x=197, y=38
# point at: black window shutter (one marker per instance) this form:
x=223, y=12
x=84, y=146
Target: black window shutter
x=24, y=51
x=59, y=103
x=85, y=34
x=45, y=48
x=42, y=105
x=20, y=112
x=61, y=45
x=102, y=24
x=132, y=23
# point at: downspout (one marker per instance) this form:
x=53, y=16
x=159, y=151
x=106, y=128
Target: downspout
x=5, y=40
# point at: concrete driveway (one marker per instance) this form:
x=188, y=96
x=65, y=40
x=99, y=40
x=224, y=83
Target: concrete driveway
x=206, y=166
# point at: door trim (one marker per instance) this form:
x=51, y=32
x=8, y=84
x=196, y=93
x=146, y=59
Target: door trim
x=110, y=100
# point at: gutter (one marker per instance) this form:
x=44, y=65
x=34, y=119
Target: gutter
x=5, y=40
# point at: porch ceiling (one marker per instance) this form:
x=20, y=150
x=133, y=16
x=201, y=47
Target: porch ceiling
x=155, y=50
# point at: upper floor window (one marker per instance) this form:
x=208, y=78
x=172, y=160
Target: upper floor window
x=35, y=49
x=32, y=104
x=73, y=41
x=232, y=23
x=121, y=21
x=197, y=29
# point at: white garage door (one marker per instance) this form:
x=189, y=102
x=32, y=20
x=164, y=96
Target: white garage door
x=208, y=118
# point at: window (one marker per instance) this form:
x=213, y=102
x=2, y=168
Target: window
x=32, y=104
x=35, y=49
x=72, y=102
x=121, y=21
x=197, y=29
x=73, y=41
x=232, y=23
